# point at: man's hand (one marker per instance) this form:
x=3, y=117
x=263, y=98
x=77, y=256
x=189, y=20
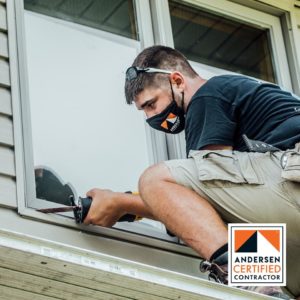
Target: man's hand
x=106, y=208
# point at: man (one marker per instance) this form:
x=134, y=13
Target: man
x=214, y=184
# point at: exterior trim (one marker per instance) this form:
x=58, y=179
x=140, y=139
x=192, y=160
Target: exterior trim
x=17, y=154
x=120, y=276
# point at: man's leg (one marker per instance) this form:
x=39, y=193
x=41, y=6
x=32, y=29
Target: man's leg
x=183, y=211
x=261, y=202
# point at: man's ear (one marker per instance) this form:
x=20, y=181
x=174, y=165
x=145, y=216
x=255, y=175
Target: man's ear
x=178, y=79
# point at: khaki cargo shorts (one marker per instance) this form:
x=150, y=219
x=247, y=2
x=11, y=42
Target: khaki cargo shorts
x=246, y=187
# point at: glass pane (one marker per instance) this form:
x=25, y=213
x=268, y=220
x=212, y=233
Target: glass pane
x=116, y=16
x=220, y=42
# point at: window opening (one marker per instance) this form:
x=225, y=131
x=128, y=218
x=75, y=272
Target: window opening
x=220, y=42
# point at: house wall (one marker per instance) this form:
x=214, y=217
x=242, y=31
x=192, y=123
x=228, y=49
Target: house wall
x=7, y=159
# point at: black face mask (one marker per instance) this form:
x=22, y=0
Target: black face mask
x=171, y=119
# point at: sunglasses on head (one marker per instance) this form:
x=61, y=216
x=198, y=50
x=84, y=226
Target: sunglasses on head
x=133, y=72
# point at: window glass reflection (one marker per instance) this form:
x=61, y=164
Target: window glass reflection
x=220, y=42
x=116, y=16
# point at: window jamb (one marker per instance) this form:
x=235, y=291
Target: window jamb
x=157, y=140
x=290, y=42
x=163, y=36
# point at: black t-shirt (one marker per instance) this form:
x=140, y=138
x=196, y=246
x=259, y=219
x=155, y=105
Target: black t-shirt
x=227, y=106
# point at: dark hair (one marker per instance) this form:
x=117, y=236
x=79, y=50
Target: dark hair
x=160, y=57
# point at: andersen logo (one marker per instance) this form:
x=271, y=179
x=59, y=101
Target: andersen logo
x=171, y=123
x=246, y=240
x=257, y=254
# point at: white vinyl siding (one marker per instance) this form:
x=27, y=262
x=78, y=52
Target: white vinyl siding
x=4, y=72
x=3, y=23
x=8, y=193
x=7, y=159
x=5, y=101
x=3, y=45
x=6, y=130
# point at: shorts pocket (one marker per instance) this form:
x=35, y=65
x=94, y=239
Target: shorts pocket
x=225, y=165
x=290, y=162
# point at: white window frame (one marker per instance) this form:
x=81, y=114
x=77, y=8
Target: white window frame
x=163, y=31
x=24, y=153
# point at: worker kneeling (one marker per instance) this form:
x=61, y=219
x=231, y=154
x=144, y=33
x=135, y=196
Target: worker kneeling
x=220, y=182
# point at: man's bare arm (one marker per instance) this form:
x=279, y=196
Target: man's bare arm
x=108, y=207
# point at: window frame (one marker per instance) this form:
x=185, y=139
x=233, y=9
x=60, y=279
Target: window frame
x=226, y=8
x=156, y=144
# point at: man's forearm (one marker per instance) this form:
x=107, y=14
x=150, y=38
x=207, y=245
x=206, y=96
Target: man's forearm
x=133, y=204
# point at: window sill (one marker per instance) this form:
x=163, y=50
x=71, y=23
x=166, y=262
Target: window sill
x=120, y=232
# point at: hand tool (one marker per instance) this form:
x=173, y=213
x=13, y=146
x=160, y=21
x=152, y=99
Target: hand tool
x=51, y=187
x=81, y=210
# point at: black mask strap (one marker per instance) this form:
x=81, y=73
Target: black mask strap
x=173, y=96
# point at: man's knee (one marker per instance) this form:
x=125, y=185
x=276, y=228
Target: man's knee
x=153, y=176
